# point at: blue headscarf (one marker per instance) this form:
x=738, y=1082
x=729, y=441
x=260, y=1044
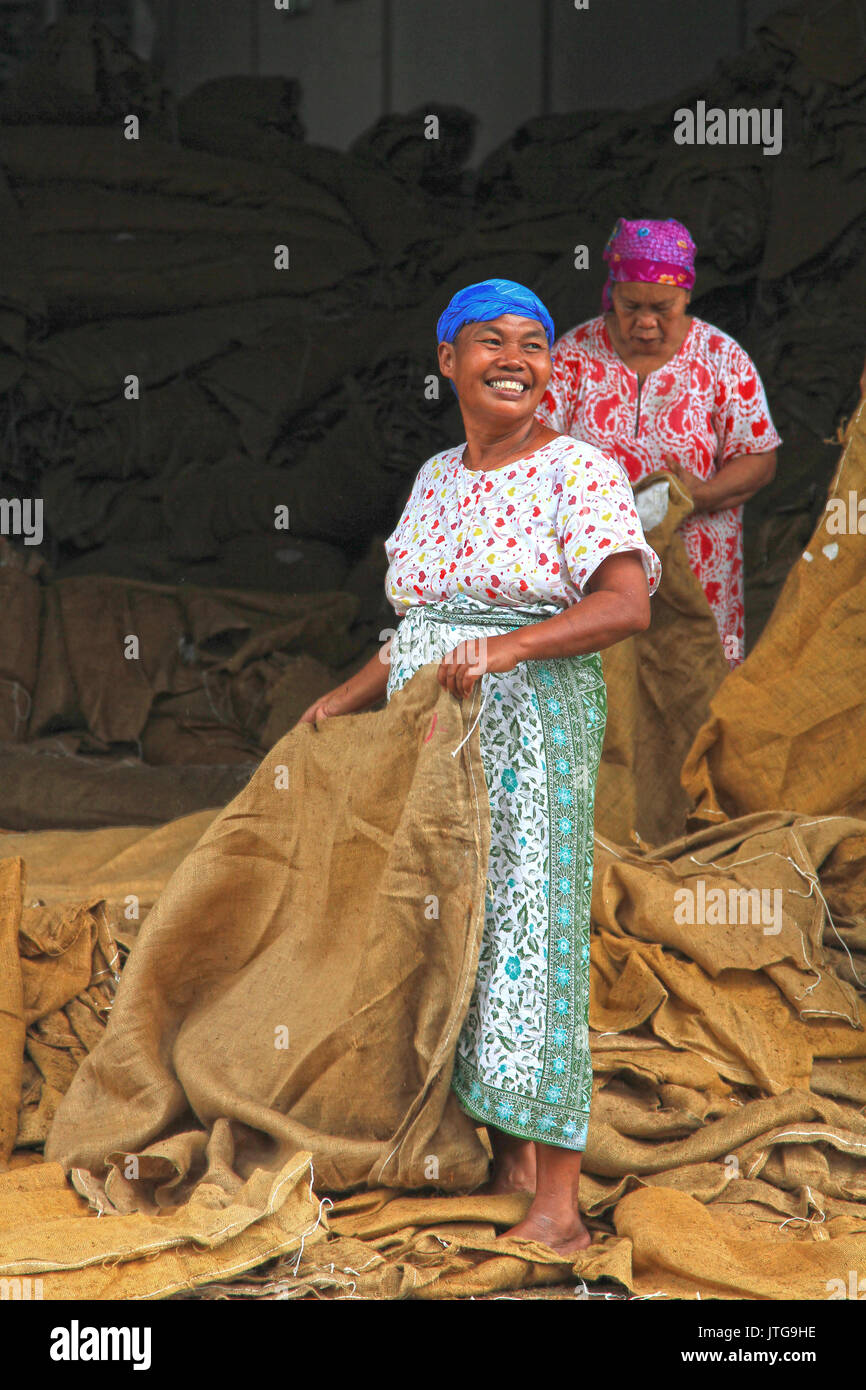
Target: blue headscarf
x=487, y=300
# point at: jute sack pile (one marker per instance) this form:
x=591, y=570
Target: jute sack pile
x=787, y=729
x=204, y=661
x=53, y=1246
x=716, y=1088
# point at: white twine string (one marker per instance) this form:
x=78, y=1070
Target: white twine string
x=323, y=1204
x=820, y=1216
x=815, y=883
x=456, y=750
x=814, y=887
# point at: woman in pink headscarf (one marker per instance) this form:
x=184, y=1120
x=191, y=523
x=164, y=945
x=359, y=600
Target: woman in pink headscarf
x=656, y=387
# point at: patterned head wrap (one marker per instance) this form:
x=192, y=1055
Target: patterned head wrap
x=657, y=252
x=487, y=300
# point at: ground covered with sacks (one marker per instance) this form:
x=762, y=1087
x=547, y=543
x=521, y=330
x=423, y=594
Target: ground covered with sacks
x=258, y=1101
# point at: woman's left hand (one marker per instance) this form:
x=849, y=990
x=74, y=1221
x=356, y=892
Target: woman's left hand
x=460, y=668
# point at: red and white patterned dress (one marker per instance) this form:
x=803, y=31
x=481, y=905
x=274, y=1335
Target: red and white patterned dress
x=529, y=532
x=704, y=407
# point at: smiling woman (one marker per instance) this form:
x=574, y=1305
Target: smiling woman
x=518, y=557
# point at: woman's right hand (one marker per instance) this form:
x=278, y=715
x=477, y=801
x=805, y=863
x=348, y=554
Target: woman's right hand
x=326, y=707
x=362, y=690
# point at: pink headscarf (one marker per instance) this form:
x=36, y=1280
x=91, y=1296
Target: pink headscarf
x=658, y=252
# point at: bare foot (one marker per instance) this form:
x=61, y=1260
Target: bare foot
x=503, y=1184
x=566, y=1234
x=513, y=1165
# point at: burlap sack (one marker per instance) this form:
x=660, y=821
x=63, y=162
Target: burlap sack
x=53, y=1246
x=787, y=728
x=728, y=1061
x=300, y=983
x=660, y=683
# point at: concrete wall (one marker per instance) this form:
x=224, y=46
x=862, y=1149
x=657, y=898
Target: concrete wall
x=505, y=60
x=336, y=49
x=485, y=55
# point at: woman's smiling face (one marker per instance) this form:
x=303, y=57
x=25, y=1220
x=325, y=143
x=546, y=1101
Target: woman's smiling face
x=500, y=368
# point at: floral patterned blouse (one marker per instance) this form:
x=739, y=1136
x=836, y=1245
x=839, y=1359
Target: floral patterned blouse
x=530, y=532
x=704, y=407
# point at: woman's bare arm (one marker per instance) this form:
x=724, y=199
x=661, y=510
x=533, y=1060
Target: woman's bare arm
x=367, y=687
x=616, y=606
x=735, y=482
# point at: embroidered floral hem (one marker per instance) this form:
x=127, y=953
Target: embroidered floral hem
x=525, y=1119
x=523, y=1062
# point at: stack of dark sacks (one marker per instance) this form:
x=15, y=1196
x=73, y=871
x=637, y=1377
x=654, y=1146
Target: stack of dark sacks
x=170, y=393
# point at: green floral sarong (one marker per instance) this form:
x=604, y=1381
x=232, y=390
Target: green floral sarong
x=523, y=1062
